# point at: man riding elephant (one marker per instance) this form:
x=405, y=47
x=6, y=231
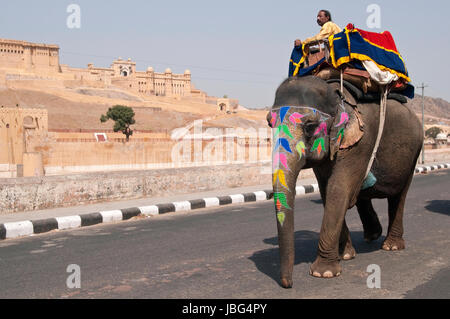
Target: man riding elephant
x=328, y=28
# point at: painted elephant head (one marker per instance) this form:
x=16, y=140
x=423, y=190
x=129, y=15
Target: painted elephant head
x=309, y=121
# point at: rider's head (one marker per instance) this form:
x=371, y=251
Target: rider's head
x=323, y=17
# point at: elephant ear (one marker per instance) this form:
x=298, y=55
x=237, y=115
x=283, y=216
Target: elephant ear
x=346, y=129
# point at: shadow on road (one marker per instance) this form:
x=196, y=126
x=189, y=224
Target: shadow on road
x=267, y=261
x=317, y=201
x=439, y=206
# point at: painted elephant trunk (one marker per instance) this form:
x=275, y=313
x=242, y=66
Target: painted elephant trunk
x=284, y=197
x=288, y=157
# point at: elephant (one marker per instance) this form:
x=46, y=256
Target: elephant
x=317, y=126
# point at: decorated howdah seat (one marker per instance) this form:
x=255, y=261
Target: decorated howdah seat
x=368, y=60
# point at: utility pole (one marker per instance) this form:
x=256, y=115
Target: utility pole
x=423, y=86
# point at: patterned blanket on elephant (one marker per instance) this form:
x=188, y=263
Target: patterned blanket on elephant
x=377, y=48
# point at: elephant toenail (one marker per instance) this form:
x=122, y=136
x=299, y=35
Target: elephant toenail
x=316, y=274
x=394, y=248
x=328, y=274
x=286, y=283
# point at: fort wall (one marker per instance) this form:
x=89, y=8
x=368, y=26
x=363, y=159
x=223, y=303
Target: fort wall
x=34, y=193
x=144, y=151
x=24, y=135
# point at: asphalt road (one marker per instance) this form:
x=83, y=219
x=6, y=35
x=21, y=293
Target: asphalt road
x=231, y=252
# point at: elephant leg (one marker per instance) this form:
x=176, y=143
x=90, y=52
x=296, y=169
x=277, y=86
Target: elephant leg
x=322, y=182
x=327, y=262
x=346, y=250
x=369, y=219
x=396, y=204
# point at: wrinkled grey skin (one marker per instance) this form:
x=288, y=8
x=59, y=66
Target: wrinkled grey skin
x=340, y=173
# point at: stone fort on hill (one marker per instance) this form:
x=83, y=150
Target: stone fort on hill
x=26, y=61
x=22, y=59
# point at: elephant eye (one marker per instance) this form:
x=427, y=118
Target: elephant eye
x=310, y=127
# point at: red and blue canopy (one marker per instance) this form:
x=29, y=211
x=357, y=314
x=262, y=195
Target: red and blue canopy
x=355, y=44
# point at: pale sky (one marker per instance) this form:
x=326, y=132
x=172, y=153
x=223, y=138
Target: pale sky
x=238, y=48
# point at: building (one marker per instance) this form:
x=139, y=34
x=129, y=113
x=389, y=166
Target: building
x=20, y=60
x=441, y=140
x=21, y=130
x=29, y=57
x=227, y=105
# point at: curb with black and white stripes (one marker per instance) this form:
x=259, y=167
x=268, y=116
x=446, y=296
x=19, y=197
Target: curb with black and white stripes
x=426, y=169
x=31, y=227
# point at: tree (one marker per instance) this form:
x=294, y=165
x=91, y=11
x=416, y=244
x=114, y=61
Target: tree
x=123, y=116
x=433, y=132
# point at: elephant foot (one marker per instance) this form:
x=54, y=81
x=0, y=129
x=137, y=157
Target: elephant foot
x=393, y=243
x=286, y=283
x=348, y=253
x=322, y=268
x=372, y=233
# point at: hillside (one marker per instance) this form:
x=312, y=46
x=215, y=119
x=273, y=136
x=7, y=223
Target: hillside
x=435, y=107
x=81, y=108
x=436, y=110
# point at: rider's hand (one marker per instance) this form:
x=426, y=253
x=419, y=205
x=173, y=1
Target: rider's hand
x=297, y=43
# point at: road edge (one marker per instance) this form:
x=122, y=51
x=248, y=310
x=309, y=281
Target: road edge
x=32, y=227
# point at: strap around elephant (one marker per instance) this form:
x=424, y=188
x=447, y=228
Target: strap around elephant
x=383, y=102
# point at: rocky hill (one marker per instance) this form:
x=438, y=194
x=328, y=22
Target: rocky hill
x=435, y=107
x=436, y=110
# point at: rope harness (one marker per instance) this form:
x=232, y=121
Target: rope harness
x=383, y=101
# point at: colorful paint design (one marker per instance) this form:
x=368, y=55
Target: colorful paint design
x=280, y=200
x=285, y=130
x=284, y=143
x=273, y=120
x=278, y=205
x=344, y=119
x=301, y=149
x=281, y=217
x=340, y=136
x=279, y=175
x=319, y=145
x=296, y=118
x=306, y=109
x=321, y=128
x=283, y=112
x=280, y=158
x=283, y=136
